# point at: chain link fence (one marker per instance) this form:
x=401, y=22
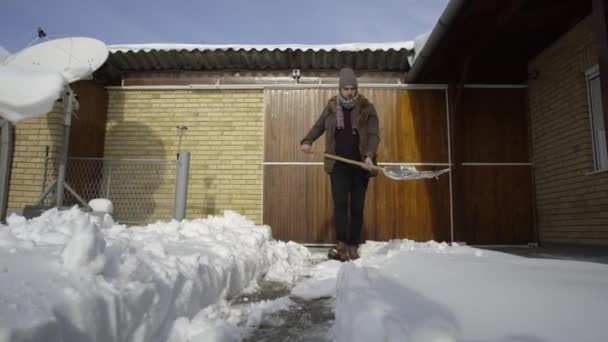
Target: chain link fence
x=141, y=190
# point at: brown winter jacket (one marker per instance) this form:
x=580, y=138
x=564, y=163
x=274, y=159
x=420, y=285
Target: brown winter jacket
x=364, y=119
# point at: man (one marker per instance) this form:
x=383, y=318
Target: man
x=351, y=128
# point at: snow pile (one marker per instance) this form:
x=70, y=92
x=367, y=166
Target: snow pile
x=222, y=322
x=322, y=281
x=71, y=276
x=407, y=291
x=290, y=262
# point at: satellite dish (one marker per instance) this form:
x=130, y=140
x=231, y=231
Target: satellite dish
x=74, y=58
x=41, y=74
x=34, y=78
x=27, y=93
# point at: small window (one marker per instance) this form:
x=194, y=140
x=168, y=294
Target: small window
x=598, y=129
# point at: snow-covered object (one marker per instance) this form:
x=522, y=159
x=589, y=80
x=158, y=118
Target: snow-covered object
x=27, y=93
x=101, y=205
x=73, y=57
x=32, y=79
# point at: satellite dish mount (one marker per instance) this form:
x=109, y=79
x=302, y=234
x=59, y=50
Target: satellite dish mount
x=70, y=103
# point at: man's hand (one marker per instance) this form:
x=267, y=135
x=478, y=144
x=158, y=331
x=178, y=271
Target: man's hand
x=306, y=148
x=369, y=164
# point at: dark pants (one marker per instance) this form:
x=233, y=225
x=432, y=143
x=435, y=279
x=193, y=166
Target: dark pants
x=348, y=181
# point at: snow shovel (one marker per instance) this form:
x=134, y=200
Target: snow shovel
x=396, y=172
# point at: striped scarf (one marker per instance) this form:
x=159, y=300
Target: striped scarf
x=348, y=104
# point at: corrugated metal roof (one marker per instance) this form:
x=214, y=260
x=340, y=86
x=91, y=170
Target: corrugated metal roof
x=186, y=57
x=407, y=45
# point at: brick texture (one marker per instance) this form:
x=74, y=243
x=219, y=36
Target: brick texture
x=572, y=204
x=224, y=136
x=32, y=137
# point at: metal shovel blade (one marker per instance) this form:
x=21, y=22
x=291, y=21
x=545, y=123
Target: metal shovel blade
x=396, y=172
x=408, y=172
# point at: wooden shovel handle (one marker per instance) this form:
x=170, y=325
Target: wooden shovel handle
x=353, y=162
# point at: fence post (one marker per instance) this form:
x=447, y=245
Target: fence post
x=5, y=165
x=181, y=185
x=109, y=178
x=68, y=103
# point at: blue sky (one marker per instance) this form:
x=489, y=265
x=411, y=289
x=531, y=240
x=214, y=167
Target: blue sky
x=219, y=22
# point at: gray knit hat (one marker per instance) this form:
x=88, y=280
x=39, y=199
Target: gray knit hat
x=347, y=78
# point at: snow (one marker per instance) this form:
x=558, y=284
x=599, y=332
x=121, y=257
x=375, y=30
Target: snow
x=410, y=291
x=418, y=45
x=72, y=276
x=322, y=282
x=4, y=53
x=33, y=78
x=101, y=205
x=407, y=45
x=222, y=322
x=27, y=93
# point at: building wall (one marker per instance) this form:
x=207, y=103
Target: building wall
x=32, y=138
x=572, y=205
x=224, y=136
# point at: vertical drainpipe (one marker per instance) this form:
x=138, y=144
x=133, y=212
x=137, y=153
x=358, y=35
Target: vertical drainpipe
x=5, y=162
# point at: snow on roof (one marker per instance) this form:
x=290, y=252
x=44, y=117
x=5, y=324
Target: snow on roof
x=352, y=47
x=3, y=53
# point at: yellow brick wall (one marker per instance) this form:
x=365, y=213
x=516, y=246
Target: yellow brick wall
x=572, y=206
x=32, y=136
x=224, y=136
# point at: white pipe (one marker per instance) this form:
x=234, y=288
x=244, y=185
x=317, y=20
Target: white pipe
x=447, y=109
x=309, y=86
x=380, y=164
x=496, y=164
x=276, y=86
x=497, y=86
x=292, y=163
x=416, y=164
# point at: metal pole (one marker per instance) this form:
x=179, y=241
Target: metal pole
x=181, y=130
x=46, y=168
x=5, y=162
x=181, y=185
x=68, y=102
x=109, y=179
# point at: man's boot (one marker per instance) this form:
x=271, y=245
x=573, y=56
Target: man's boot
x=339, y=252
x=353, y=252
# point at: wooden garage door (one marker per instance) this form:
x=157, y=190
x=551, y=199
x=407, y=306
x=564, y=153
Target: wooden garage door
x=493, y=177
x=297, y=198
